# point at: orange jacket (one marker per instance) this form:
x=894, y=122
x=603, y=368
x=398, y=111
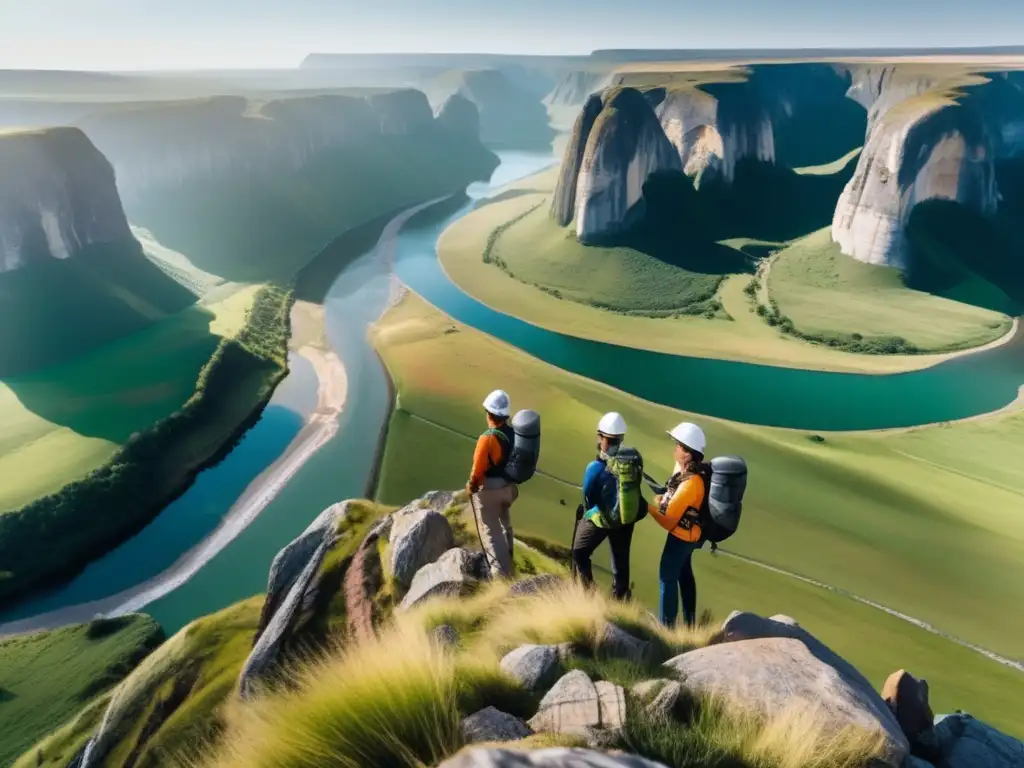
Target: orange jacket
x=686, y=502
x=488, y=453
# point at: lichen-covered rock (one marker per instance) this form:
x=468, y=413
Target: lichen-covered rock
x=625, y=147
x=492, y=724
x=454, y=573
x=775, y=674
x=418, y=537
x=968, y=743
x=536, y=667
x=546, y=758
x=907, y=697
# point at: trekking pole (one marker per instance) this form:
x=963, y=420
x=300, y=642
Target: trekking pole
x=572, y=543
x=655, y=485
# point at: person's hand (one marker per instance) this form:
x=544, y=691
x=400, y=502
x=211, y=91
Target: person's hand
x=657, y=500
x=471, y=489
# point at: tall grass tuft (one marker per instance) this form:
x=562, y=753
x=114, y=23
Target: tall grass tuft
x=390, y=702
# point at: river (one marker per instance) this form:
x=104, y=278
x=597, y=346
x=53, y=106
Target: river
x=237, y=568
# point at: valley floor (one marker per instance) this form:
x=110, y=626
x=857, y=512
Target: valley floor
x=533, y=237
x=873, y=514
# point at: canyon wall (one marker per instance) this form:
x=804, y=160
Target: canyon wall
x=57, y=196
x=932, y=135
x=163, y=145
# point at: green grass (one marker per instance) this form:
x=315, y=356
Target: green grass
x=48, y=676
x=65, y=421
x=537, y=251
x=745, y=337
x=104, y=292
x=825, y=293
x=249, y=228
x=905, y=518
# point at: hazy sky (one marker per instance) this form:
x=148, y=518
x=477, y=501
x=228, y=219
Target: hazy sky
x=190, y=34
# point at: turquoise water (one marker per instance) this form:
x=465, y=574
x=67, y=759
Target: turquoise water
x=756, y=394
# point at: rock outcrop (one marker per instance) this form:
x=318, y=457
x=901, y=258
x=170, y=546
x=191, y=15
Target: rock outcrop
x=774, y=665
x=57, y=196
x=907, y=697
x=492, y=724
x=402, y=112
x=535, y=667
x=419, y=536
x=455, y=573
x=574, y=88
x=625, y=147
x=578, y=706
x=930, y=137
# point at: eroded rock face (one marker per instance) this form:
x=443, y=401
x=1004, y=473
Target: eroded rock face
x=563, y=204
x=775, y=674
x=57, y=196
x=403, y=112
x=625, y=146
x=418, y=537
x=292, y=579
x=916, y=152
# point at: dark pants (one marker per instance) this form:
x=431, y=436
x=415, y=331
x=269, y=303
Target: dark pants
x=676, y=576
x=588, y=539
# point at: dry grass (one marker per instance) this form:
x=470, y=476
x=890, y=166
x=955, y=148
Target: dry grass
x=398, y=701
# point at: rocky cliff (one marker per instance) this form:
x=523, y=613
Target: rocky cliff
x=511, y=116
x=165, y=144
x=57, y=196
x=574, y=88
x=766, y=115
x=929, y=137
x=624, y=147
x=460, y=116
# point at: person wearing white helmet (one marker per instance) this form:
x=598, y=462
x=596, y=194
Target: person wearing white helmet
x=677, y=510
x=492, y=492
x=594, y=522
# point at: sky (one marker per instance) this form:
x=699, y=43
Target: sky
x=203, y=34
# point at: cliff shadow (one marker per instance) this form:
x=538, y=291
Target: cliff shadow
x=124, y=386
x=681, y=224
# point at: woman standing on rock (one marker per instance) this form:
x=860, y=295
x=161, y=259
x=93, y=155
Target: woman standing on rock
x=677, y=510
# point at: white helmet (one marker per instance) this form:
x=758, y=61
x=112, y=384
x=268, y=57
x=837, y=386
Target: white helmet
x=612, y=424
x=690, y=435
x=497, y=403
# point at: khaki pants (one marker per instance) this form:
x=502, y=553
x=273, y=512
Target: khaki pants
x=491, y=506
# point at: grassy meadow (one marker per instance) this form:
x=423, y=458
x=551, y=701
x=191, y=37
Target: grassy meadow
x=82, y=410
x=907, y=518
x=744, y=337
x=825, y=293
x=48, y=676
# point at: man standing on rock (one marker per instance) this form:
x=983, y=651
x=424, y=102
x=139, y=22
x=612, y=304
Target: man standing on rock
x=491, y=492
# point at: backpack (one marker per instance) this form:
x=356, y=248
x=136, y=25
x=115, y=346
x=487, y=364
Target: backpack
x=725, y=480
x=627, y=467
x=519, y=462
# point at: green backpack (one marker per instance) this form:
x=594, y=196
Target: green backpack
x=627, y=467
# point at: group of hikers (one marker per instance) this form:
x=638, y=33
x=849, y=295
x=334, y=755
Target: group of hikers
x=613, y=501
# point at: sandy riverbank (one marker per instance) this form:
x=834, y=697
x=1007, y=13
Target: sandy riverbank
x=320, y=427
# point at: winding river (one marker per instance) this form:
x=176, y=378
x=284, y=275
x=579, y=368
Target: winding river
x=199, y=556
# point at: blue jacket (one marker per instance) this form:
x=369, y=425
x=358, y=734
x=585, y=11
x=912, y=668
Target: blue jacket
x=600, y=491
